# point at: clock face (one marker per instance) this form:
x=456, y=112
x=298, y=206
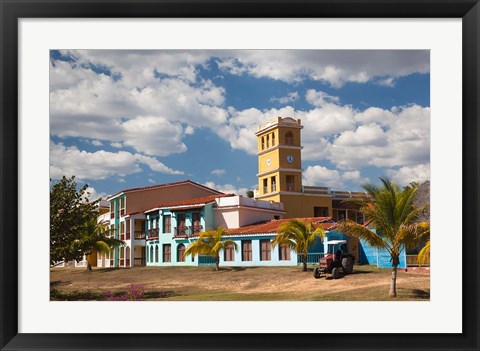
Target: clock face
x=290, y=159
x=268, y=161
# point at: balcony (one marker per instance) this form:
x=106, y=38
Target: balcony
x=112, y=215
x=181, y=232
x=152, y=233
x=122, y=212
x=140, y=235
x=185, y=231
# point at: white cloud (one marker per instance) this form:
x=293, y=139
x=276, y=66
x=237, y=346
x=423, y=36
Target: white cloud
x=319, y=175
x=116, y=145
x=100, y=164
x=228, y=188
x=218, y=172
x=370, y=134
x=286, y=99
x=94, y=195
x=151, y=181
x=319, y=98
x=335, y=67
x=97, y=142
x=406, y=175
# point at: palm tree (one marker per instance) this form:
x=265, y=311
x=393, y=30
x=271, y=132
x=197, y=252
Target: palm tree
x=424, y=235
x=94, y=237
x=210, y=243
x=299, y=236
x=392, y=212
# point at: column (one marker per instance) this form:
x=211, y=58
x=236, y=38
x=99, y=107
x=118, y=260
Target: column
x=132, y=239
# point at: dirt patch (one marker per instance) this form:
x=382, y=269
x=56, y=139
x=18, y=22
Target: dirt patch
x=246, y=283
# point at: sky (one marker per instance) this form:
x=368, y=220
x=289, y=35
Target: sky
x=122, y=118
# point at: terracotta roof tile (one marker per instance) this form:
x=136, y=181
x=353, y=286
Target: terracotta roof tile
x=272, y=226
x=188, y=181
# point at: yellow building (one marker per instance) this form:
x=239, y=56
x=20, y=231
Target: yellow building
x=280, y=175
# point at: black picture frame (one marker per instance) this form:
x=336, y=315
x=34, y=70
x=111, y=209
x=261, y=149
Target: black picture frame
x=12, y=11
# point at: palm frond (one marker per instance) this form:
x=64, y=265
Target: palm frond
x=356, y=230
x=424, y=254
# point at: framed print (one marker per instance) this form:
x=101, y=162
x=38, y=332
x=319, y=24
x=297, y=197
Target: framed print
x=239, y=112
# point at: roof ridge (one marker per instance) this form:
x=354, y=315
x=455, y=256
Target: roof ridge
x=187, y=181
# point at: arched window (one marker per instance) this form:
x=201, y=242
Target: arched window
x=150, y=258
x=156, y=253
x=268, y=141
x=180, y=253
x=288, y=138
x=263, y=143
x=273, y=139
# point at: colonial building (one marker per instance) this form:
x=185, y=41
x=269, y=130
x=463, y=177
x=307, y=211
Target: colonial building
x=128, y=219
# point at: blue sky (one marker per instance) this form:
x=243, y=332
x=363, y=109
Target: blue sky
x=121, y=119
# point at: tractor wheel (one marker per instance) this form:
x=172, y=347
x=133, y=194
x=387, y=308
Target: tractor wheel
x=347, y=265
x=335, y=273
x=316, y=273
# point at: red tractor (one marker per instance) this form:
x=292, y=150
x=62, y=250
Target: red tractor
x=335, y=258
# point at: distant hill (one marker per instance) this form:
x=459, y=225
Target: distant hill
x=422, y=198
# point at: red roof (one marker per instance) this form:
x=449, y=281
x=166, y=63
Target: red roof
x=188, y=181
x=272, y=226
x=191, y=202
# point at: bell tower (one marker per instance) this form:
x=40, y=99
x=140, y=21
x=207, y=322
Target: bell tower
x=279, y=158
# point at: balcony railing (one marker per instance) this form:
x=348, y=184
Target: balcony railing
x=152, y=233
x=139, y=235
x=182, y=232
x=312, y=258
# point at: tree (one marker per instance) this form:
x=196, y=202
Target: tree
x=393, y=214
x=299, y=236
x=424, y=235
x=69, y=211
x=250, y=194
x=210, y=243
x=94, y=237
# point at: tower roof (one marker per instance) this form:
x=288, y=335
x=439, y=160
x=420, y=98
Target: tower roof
x=279, y=122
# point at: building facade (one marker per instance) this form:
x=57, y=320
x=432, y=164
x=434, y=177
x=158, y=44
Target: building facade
x=127, y=220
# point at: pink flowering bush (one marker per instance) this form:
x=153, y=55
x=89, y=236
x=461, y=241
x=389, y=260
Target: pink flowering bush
x=133, y=293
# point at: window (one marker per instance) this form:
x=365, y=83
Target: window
x=156, y=253
x=284, y=253
x=181, y=230
x=246, y=250
x=180, y=253
x=273, y=139
x=288, y=138
x=268, y=141
x=112, y=210
x=265, y=185
x=339, y=215
x=167, y=223
x=167, y=253
x=265, y=250
x=274, y=184
x=263, y=143
x=320, y=211
x=150, y=258
x=290, y=183
x=229, y=253
x=197, y=228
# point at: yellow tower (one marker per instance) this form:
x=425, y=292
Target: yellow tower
x=280, y=171
x=279, y=158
